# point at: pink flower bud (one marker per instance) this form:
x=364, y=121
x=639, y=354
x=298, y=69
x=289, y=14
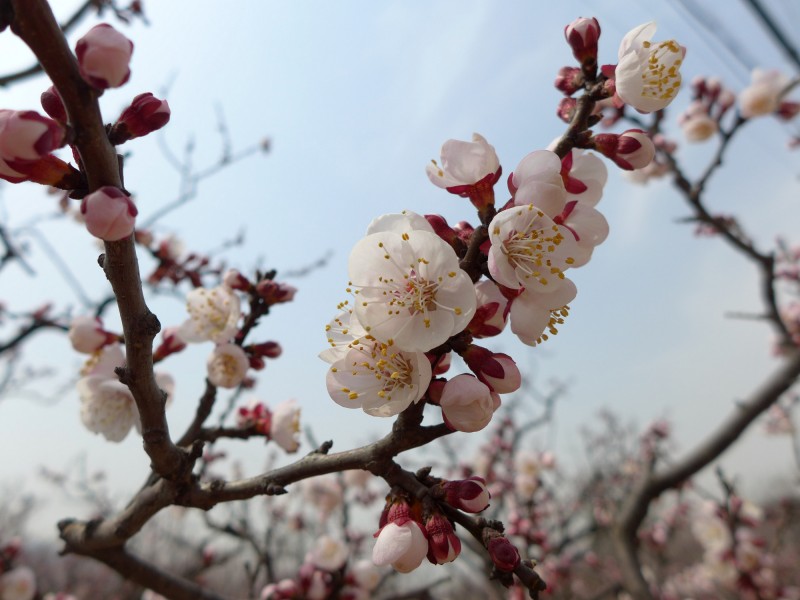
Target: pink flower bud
x=443, y=544
x=52, y=104
x=145, y=115
x=467, y=404
x=27, y=136
x=103, y=57
x=266, y=349
x=109, y=214
x=227, y=366
x=582, y=35
x=569, y=80
x=275, y=293
x=86, y=334
x=566, y=109
x=498, y=371
x=632, y=149
x=503, y=553
x=48, y=170
x=469, y=495
x=402, y=546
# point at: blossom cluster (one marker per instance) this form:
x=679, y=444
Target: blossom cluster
x=28, y=139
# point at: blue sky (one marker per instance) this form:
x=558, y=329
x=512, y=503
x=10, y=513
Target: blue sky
x=357, y=97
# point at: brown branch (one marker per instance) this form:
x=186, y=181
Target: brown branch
x=27, y=331
x=35, y=24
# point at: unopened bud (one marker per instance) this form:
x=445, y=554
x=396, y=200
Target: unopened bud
x=146, y=114
x=103, y=57
x=109, y=214
x=582, y=35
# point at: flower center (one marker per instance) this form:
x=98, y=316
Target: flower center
x=529, y=251
x=661, y=78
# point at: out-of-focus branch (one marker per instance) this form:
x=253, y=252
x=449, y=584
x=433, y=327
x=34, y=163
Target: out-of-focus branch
x=654, y=484
x=35, y=325
x=76, y=17
x=133, y=568
x=35, y=24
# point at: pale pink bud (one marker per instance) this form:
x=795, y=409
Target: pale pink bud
x=582, y=35
x=467, y=404
x=27, y=136
x=86, y=334
x=503, y=553
x=235, y=280
x=469, y=495
x=402, y=546
x=109, y=213
x=632, y=149
x=443, y=544
x=53, y=105
x=145, y=115
x=227, y=366
x=103, y=57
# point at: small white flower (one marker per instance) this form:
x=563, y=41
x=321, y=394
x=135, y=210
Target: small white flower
x=763, y=95
x=463, y=163
x=285, y=425
x=378, y=378
x=409, y=290
x=86, y=334
x=648, y=74
x=328, y=554
x=227, y=366
x=213, y=315
x=528, y=249
x=532, y=312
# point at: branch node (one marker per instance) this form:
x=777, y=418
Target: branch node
x=324, y=447
x=275, y=489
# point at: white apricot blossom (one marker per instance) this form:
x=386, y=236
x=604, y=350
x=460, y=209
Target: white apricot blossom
x=648, y=75
x=410, y=292
x=285, y=425
x=401, y=222
x=763, y=95
x=227, y=366
x=213, y=315
x=464, y=163
x=534, y=314
x=537, y=180
x=108, y=407
x=328, y=554
x=587, y=176
x=378, y=378
x=528, y=249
